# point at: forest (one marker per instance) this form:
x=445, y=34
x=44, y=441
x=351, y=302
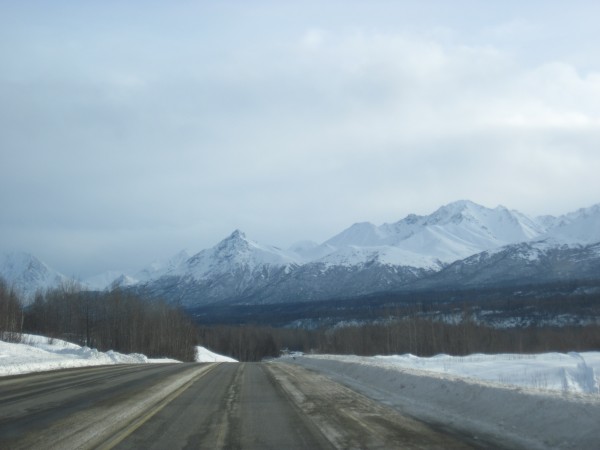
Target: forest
x=421, y=337
x=124, y=322
x=103, y=320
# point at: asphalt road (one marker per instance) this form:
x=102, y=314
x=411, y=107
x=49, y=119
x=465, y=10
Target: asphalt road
x=212, y=406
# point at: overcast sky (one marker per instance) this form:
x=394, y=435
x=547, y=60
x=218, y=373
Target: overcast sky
x=130, y=130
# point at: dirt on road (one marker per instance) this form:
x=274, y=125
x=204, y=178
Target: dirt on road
x=214, y=406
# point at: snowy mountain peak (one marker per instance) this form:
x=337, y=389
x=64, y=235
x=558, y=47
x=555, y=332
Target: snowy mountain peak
x=27, y=274
x=362, y=255
x=579, y=227
x=237, y=234
x=362, y=234
x=14, y=263
x=582, y=213
x=103, y=280
x=459, y=211
x=452, y=232
x=499, y=224
x=175, y=261
x=236, y=242
x=460, y=205
x=236, y=252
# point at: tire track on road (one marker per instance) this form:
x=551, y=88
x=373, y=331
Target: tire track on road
x=89, y=418
x=352, y=421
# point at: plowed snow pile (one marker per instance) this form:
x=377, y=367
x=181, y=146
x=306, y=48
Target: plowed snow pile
x=527, y=401
x=205, y=355
x=38, y=353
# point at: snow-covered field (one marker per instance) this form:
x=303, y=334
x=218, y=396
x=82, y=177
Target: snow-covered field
x=531, y=401
x=39, y=353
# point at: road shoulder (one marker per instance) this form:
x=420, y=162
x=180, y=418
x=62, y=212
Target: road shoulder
x=508, y=417
x=351, y=420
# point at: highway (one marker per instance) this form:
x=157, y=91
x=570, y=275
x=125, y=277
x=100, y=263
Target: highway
x=212, y=406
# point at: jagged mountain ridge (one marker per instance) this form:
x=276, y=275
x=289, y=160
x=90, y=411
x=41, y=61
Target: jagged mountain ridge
x=579, y=227
x=365, y=258
x=27, y=274
x=498, y=225
x=538, y=262
x=453, y=232
x=459, y=244
x=235, y=268
x=237, y=252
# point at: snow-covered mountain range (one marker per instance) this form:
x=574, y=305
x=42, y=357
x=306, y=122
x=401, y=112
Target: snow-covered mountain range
x=460, y=244
x=415, y=252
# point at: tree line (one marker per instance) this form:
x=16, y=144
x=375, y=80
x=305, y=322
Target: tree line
x=11, y=313
x=428, y=337
x=255, y=343
x=126, y=323
x=421, y=337
x=104, y=320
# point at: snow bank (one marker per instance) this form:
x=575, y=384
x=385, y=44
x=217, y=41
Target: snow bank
x=457, y=392
x=205, y=355
x=572, y=372
x=39, y=353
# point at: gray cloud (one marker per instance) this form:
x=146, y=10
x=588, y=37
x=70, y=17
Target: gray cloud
x=130, y=132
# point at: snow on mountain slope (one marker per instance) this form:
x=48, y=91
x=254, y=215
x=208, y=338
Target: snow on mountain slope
x=540, y=261
x=481, y=243
x=302, y=247
x=363, y=234
x=464, y=225
x=353, y=255
x=492, y=243
x=306, y=251
x=158, y=268
x=234, y=252
x=499, y=223
x=107, y=279
x=27, y=274
x=579, y=227
x=454, y=231
x=236, y=268
x=122, y=281
x=113, y=278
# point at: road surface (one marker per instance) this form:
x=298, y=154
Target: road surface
x=212, y=406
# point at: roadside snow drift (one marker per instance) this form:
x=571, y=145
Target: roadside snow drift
x=39, y=353
x=572, y=372
x=533, y=402
x=205, y=355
